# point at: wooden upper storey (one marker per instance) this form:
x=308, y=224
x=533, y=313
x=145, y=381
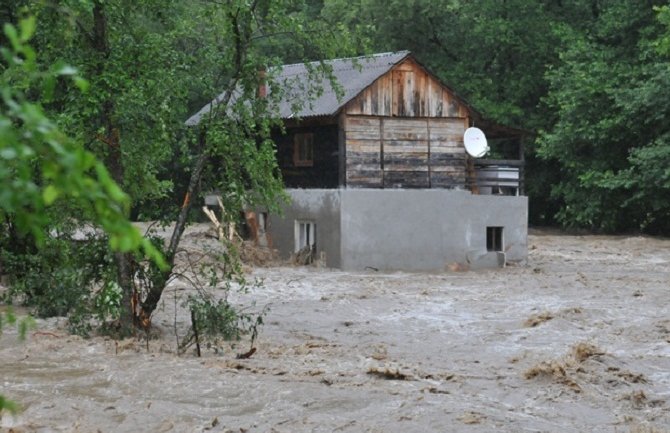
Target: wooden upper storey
x=404, y=130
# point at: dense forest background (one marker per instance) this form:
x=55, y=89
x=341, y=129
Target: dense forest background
x=587, y=78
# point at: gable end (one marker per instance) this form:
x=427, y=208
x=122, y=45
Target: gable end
x=407, y=90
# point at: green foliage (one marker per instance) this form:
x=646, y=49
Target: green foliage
x=61, y=278
x=216, y=274
x=22, y=325
x=40, y=164
x=242, y=163
x=107, y=302
x=216, y=319
x=663, y=42
x=7, y=405
x=149, y=65
x=610, y=139
x=124, y=49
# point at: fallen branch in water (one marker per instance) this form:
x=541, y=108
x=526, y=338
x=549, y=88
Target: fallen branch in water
x=246, y=355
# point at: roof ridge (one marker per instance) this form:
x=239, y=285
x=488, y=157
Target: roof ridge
x=363, y=57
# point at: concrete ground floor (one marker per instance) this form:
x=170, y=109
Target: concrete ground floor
x=412, y=230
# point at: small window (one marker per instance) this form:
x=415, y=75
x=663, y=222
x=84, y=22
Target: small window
x=262, y=223
x=305, y=235
x=494, y=238
x=303, y=149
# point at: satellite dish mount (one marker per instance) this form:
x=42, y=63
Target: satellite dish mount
x=475, y=142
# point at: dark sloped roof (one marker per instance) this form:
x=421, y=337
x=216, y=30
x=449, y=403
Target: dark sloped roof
x=195, y=119
x=300, y=99
x=352, y=74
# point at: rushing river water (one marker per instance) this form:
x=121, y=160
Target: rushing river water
x=394, y=352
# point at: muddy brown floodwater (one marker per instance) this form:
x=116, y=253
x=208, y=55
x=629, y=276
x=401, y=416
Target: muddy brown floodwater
x=577, y=340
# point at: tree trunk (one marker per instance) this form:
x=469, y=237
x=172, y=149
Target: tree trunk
x=241, y=38
x=151, y=301
x=114, y=162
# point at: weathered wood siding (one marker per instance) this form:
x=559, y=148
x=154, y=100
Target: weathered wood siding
x=363, y=152
x=394, y=152
x=405, y=144
x=405, y=131
x=447, y=152
x=406, y=91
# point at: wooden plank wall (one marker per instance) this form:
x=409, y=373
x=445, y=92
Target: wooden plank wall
x=388, y=152
x=405, y=131
x=407, y=91
x=405, y=147
x=363, y=152
x=447, y=153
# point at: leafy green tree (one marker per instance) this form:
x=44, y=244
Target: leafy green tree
x=39, y=165
x=234, y=134
x=151, y=64
x=608, y=139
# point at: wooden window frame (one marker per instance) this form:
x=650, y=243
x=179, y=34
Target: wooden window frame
x=303, y=149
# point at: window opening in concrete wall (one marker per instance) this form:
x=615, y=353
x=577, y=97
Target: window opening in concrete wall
x=303, y=149
x=494, y=238
x=262, y=222
x=262, y=237
x=305, y=235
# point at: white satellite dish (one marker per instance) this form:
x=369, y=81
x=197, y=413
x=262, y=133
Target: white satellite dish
x=475, y=142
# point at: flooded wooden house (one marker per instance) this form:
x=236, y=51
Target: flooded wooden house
x=379, y=176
